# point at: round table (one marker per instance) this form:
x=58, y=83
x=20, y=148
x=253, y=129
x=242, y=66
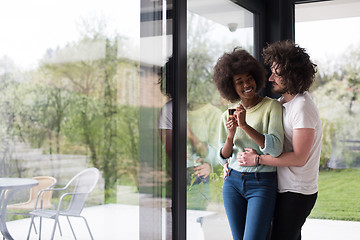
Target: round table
x=11, y=185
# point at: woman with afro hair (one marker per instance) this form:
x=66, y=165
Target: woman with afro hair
x=292, y=74
x=249, y=192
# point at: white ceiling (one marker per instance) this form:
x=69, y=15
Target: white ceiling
x=222, y=12
x=327, y=10
x=225, y=11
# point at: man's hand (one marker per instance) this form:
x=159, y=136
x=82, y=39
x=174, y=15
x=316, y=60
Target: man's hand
x=247, y=158
x=226, y=170
x=203, y=170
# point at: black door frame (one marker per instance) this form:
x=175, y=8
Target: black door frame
x=274, y=21
x=179, y=119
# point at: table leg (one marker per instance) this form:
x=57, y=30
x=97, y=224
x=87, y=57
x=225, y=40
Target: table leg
x=3, y=204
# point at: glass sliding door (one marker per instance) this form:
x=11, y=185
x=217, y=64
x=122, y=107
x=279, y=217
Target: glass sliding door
x=85, y=84
x=328, y=30
x=213, y=27
x=156, y=120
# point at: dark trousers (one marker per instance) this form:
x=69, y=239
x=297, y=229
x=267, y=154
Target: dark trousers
x=291, y=211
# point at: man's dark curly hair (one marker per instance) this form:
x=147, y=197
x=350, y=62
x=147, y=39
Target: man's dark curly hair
x=293, y=64
x=231, y=64
x=165, y=74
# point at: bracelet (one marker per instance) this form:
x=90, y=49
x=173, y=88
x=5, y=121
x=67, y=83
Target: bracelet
x=258, y=160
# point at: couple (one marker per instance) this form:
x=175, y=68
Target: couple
x=270, y=149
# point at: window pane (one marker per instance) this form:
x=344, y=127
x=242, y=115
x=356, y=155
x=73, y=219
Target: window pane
x=156, y=92
x=213, y=28
x=79, y=83
x=327, y=31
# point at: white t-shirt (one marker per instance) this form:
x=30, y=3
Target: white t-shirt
x=301, y=112
x=166, y=116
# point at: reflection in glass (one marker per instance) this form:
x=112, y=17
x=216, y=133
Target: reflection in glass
x=210, y=34
x=70, y=99
x=336, y=93
x=155, y=149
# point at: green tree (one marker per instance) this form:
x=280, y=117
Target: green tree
x=9, y=74
x=110, y=153
x=336, y=95
x=93, y=79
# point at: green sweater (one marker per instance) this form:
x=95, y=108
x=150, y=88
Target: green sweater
x=266, y=118
x=204, y=123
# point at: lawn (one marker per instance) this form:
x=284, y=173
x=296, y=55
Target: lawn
x=339, y=195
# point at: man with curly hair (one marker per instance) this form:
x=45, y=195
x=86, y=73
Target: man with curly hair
x=249, y=193
x=292, y=73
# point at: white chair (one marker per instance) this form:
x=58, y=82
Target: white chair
x=45, y=198
x=78, y=189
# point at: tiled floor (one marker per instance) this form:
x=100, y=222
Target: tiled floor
x=118, y=221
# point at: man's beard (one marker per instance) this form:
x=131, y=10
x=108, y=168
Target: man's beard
x=279, y=90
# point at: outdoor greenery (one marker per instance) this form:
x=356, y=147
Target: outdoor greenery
x=336, y=94
x=70, y=105
x=338, y=196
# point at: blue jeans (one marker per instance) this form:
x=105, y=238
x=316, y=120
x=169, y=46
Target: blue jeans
x=249, y=200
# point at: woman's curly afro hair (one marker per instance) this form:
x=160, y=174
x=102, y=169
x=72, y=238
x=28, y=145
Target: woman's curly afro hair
x=293, y=65
x=231, y=64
